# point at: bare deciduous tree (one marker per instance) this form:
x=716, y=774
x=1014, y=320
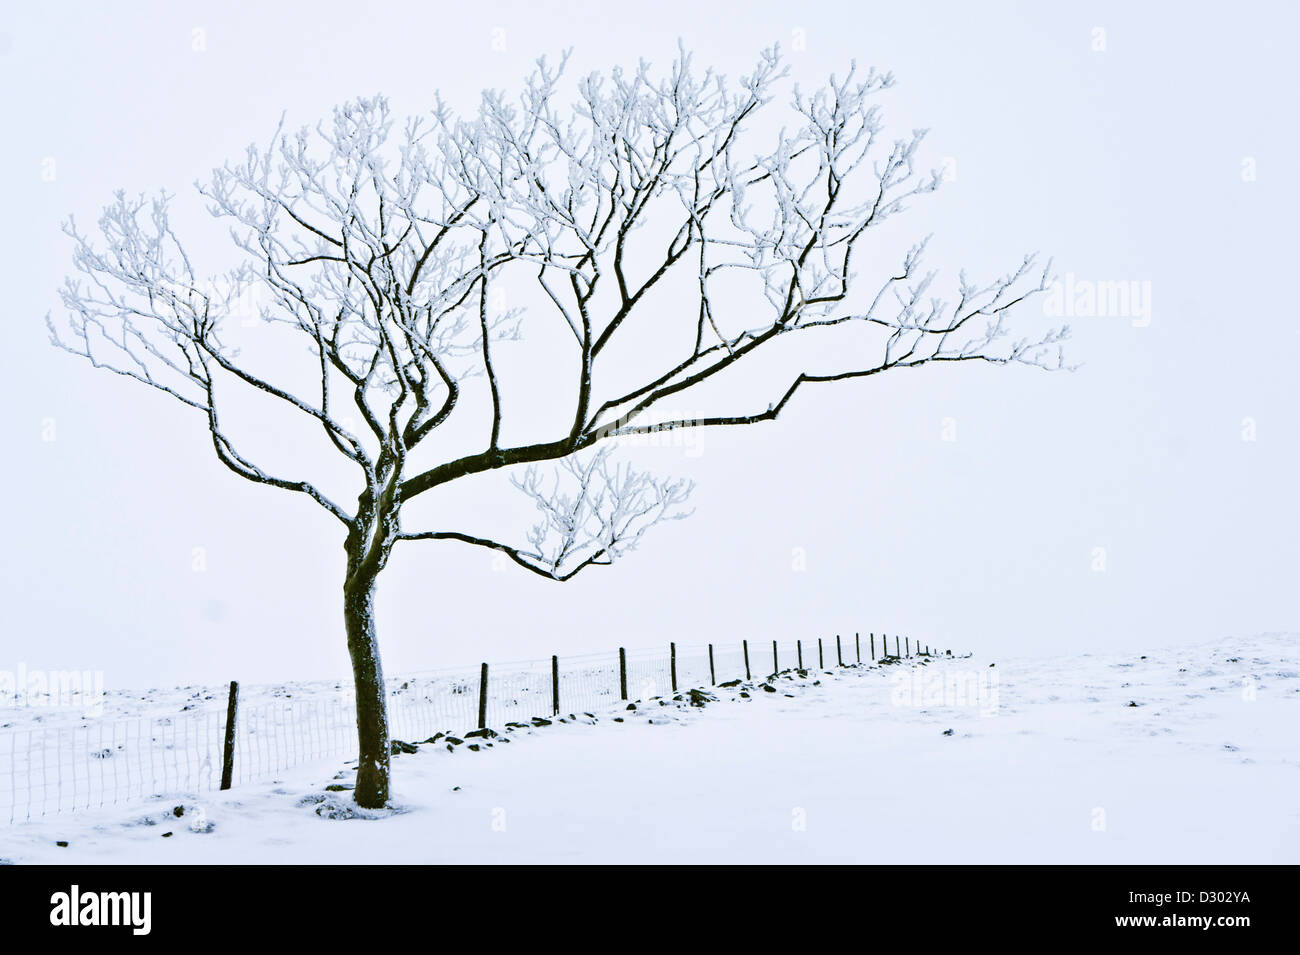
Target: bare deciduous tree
x=382, y=245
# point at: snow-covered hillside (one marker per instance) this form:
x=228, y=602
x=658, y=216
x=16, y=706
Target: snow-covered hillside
x=1185, y=755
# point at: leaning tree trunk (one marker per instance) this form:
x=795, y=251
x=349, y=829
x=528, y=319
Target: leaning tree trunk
x=372, y=703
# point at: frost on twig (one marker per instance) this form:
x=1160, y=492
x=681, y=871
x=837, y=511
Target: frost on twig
x=593, y=509
x=596, y=510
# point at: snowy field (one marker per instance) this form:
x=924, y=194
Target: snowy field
x=931, y=761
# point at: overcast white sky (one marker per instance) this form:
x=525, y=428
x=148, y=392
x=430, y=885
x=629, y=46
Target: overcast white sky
x=1165, y=158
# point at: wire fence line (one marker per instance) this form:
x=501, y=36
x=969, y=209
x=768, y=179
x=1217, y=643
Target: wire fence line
x=46, y=770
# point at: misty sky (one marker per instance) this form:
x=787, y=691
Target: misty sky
x=1149, y=145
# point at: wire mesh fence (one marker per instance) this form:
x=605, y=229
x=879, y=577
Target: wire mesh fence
x=46, y=770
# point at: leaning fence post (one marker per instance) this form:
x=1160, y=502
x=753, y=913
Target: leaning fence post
x=622, y=672
x=745, y=646
x=713, y=677
x=799, y=648
x=672, y=663
x=555, y=684
x=897, y=652
x=482, y=698
x=839, y=650
x=821, y=660
x=228, y=755
x=776, y=666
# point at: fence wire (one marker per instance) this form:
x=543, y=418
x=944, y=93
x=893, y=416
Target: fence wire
x=61, y=769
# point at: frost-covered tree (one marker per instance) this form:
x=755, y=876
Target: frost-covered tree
x=644, y=205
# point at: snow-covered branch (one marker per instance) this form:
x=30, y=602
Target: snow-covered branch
x=593, y=509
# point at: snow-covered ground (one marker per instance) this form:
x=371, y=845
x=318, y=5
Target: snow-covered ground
x=947, y=760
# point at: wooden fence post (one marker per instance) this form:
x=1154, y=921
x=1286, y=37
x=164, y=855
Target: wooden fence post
x=839, y=650
x=897, y=650
x=776, y=666
x=622, y=672
x=873, y=644
x=228, y=754
x=713, y=676
x=482, y=698
x=555, y=685
x=799, y=647
x=672, y=658
x=745, y=646
x=857, y=645
x=907, y=644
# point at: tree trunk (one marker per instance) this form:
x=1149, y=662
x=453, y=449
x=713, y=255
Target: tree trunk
x=372, y=703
